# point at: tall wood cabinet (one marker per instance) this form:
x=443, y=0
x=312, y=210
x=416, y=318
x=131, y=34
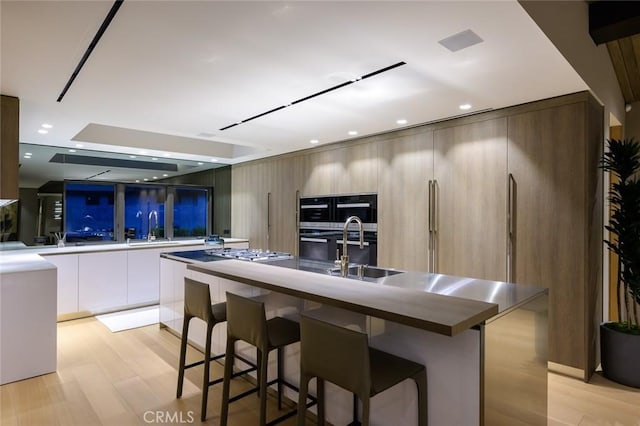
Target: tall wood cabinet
x=556, y=238
x=470, y=200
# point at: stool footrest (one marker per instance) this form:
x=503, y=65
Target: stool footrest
x=236, y=374
x=197, y=363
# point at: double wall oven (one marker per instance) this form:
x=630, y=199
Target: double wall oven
x=321, y=227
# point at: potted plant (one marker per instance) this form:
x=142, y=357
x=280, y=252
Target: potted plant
x=620, y=340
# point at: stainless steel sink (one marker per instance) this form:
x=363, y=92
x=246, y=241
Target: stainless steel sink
x=372, y=272
x=367, y=273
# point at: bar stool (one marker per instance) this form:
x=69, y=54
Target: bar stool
x=197, y=304
x=246, y=321
x=344, y=358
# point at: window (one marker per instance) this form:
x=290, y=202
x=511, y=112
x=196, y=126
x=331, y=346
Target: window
x=144, y=211
x=89, y=212
x=190, y=208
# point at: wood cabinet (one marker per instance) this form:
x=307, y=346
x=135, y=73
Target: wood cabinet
x=470, y=200
x=406, y=166
x=283, y=204
x=9, y=146
x=557, y=220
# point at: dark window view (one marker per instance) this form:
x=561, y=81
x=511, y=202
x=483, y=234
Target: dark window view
x=190, y=212
x=144, y=211
x=89, y=212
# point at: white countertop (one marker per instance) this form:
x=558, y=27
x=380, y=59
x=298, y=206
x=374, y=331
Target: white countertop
x=29, y=258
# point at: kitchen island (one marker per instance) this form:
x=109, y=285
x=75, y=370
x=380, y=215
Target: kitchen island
x=484, y=343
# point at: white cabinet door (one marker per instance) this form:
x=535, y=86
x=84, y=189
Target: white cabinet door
x=102, y=281
x=167, y=315
x=143, y=276
x=67, y=265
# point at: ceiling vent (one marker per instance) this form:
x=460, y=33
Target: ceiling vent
x=460, y=41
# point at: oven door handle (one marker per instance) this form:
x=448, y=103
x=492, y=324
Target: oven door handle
x=353, y=243
x=314, y=206
x=352, y=205
x=314, y=240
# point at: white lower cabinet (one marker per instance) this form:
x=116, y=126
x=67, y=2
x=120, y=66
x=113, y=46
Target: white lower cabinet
x=67, y=265
x=102, y=281
x=143, y=276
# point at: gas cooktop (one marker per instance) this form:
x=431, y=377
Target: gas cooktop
x=248, y=254
x=211, y=255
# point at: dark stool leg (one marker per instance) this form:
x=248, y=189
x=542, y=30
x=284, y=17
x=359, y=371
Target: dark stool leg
x=228, y=371
x=421, y=382
x=262, y=385
x=302, y=399
x=258, y=367
x=205, y=379
x=365, y=410
x=183, y=354
x=280, y=376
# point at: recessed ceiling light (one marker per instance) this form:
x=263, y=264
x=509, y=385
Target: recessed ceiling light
x=401, y=121
x=200, y=164
x=47, y=126
x=28, y=153
x=27, y=156
x=314, y=141
x=132, y=156
x=165, y=175
x=145, y=179
x=465, y=107
x=43, y=132
x=352, y=132
x=137, y=180
x=213, y=160
x=154, y=159
x=79, y=145
x=72, y=150
x=155, y=177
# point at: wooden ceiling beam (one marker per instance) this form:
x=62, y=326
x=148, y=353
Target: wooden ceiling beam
x=613, y=20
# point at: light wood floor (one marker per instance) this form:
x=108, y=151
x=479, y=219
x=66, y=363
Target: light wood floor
x=106, y=378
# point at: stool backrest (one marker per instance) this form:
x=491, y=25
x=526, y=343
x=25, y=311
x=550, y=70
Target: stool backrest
x=336, y=354
x=197, y=299
x=247, y=320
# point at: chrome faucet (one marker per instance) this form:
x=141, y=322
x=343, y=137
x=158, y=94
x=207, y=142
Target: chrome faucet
x=150, y=235
x=344, y=259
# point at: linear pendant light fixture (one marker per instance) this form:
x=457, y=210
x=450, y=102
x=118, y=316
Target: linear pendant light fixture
x=322, y=92
x=92, y=45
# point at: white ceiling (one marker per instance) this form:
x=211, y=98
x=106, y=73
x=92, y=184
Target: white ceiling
x=167, y=71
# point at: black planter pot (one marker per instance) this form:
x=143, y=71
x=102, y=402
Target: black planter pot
x=620, y=353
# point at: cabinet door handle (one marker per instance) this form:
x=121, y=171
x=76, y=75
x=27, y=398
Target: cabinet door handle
x=429, y=224
x=511, y=208
x=268, y=217
x=297, y=207
x=434, y=251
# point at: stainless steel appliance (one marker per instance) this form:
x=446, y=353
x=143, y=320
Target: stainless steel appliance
x=364, y=206
x=321, y=225
x=317, y=209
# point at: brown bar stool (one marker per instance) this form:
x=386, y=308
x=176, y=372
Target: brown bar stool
x=197, y=304
x=344, y=358
x=246, y=321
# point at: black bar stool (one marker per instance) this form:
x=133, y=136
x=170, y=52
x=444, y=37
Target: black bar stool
x=344, y=358
x=246, y=321
x=197, y=304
